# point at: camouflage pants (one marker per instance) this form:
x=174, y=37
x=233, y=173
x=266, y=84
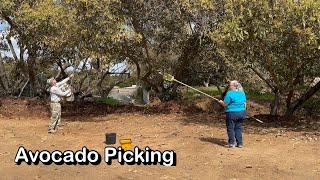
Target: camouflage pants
x=55, y=116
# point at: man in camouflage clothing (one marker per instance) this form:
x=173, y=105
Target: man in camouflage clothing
x=56, y=94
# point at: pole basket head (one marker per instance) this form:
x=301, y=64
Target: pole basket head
x=168, y=77
x=70, y=96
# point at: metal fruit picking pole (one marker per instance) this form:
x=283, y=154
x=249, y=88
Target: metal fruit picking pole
x=169, y=77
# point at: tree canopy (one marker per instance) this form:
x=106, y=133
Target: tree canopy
x=276, y=41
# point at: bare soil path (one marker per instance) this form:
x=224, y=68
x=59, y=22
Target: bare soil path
x=197, y=139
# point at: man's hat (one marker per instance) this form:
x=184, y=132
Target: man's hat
x=50, y=80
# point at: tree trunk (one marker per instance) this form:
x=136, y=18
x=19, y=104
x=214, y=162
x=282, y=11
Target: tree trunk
x=99, y=85
x=32, y=76
x=224, y=93
x=275, y=103
x=12, y=49
x=299, y=102
x=81, y=82
x=289, y=98
x=146, y=96
x=3, y=81
x=107, y=90
x=191, y=50
x=206, y=83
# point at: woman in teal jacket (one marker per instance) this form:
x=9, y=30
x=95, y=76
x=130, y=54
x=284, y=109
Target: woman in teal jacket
x=235, y=109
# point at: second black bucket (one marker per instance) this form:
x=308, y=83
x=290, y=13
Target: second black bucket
x=111, y=138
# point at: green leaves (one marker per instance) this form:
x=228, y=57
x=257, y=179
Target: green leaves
x=281, y=39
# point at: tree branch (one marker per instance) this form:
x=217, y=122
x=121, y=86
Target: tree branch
x=263, y=78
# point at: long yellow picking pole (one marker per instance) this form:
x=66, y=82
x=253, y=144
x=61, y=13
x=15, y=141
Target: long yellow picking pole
x=196, y=89
x=169, y=77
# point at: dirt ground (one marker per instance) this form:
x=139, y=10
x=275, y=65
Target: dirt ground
x=278, y=149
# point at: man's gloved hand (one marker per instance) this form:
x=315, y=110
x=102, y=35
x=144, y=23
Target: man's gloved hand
x=68, y=93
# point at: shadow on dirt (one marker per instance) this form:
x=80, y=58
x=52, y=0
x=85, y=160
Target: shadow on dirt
x=271, y=124
x=192, y=114
x=84, y=111
x=218, y=141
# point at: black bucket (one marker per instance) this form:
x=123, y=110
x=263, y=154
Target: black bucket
x=111, y=138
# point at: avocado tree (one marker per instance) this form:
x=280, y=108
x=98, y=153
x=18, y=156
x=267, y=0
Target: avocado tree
x=170, y=36
x=52, y=34
x=278, y=40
